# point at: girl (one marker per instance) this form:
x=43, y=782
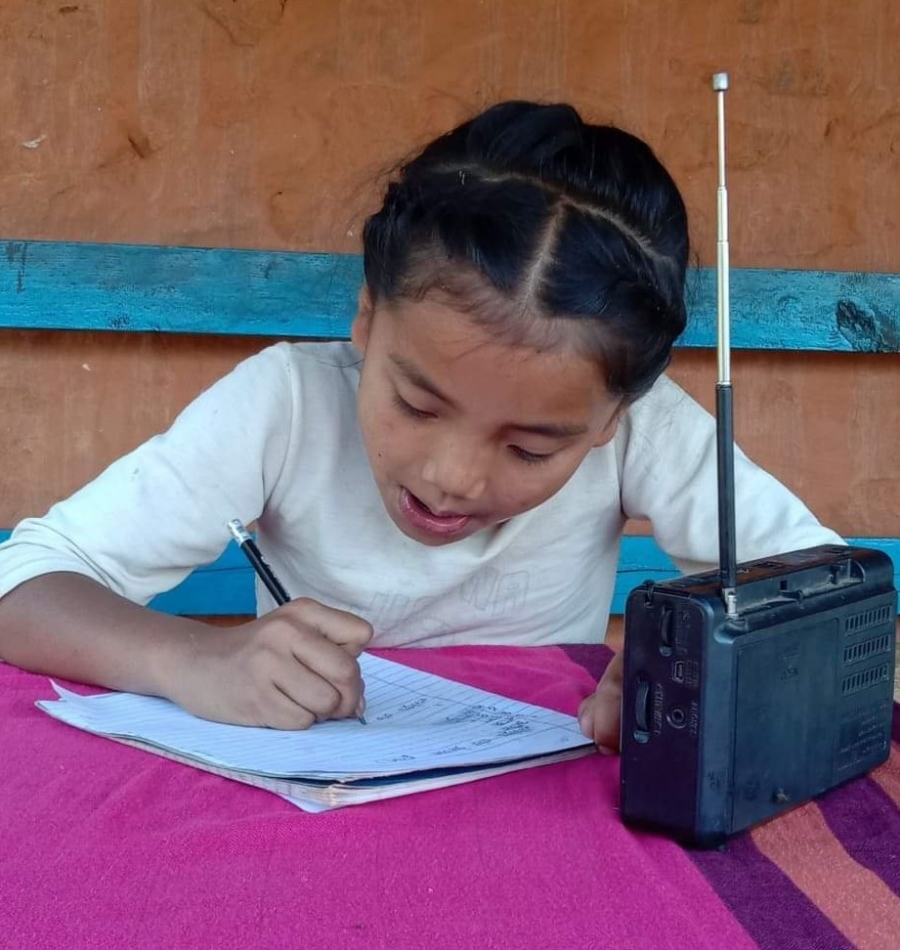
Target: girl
x=459, y=473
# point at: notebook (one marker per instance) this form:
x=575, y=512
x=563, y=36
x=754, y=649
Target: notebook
x=422, y=732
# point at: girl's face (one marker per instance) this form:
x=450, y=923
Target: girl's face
x=464, y=431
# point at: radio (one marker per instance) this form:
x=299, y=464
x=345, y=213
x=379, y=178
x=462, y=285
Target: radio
x=751, y=689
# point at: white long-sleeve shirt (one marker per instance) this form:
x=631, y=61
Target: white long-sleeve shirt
x=277, y=441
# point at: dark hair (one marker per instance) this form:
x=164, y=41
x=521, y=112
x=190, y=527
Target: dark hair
x=528, y=210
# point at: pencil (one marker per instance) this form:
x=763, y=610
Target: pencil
x=261, y=566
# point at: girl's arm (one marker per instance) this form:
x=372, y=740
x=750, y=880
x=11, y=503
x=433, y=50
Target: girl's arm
x=285, y=670
x=72, y=583
x=668, y=475
x=154, y=515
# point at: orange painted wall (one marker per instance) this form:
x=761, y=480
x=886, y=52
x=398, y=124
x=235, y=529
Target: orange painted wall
x=270, y=124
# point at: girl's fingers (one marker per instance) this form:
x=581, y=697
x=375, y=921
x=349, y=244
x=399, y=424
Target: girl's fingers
x=600, y=715
x=322, y=675
x=348, y=631
x=312, y=656
x=284, y=712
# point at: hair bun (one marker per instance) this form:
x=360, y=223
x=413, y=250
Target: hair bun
x=524, y=136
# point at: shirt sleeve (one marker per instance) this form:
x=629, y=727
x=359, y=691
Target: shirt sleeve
x=149, y=519
x=668, y=475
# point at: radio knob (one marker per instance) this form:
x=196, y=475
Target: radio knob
x=666, y=630
x=641, y=706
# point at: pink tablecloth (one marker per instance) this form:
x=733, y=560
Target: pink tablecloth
x=103, y=845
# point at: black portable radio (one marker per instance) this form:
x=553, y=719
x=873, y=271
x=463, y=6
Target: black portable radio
x=727, y=722
x=751, y=689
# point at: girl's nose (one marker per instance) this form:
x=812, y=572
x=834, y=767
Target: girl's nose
x=455, y=471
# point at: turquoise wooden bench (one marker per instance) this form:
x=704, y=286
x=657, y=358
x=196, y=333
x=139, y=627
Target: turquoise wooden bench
x=128, y=288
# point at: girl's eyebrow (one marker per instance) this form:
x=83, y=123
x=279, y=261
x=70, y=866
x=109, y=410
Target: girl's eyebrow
x=553, y=431
x=419, y=379
x=550, y=429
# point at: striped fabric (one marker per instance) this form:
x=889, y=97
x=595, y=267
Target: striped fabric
x=824, y=875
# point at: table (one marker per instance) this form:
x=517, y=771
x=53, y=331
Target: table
x=103, y=845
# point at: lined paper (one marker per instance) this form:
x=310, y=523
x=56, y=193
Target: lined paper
x=415, y=721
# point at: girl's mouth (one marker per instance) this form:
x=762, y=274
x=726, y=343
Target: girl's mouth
x=421, y=517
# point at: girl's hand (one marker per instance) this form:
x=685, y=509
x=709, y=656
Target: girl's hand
x=286, y=670
x=600, y=715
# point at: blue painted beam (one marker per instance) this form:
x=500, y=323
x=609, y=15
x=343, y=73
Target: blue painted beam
x=799, y=310
x=57, y=286
x=226, y=587
x=62, y=286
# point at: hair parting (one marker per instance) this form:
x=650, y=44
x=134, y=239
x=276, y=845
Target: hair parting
x=549, y=231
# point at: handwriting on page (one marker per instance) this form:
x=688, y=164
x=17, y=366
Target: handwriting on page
x=416, y=721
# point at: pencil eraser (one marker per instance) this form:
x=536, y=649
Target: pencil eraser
x=720, y=82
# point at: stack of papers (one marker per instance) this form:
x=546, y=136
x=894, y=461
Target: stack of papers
x=422, y=732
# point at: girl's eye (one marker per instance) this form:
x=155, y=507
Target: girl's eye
x=409, y=410
x=532, y=458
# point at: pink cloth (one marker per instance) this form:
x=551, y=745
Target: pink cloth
x=102, y=845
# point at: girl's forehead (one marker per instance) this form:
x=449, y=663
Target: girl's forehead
x=429, y=342
x=453, y=327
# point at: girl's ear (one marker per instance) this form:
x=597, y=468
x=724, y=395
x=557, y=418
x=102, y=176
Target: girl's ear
x=611, y=427
x=362, y=322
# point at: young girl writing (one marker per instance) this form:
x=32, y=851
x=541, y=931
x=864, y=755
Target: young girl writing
x=459, y=473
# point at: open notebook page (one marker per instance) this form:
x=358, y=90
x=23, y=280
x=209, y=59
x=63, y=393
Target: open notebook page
x=416, y=721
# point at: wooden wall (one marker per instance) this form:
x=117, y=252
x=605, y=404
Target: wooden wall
x=271, y=123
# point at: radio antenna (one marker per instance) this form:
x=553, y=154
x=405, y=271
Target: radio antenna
x=724, y=406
